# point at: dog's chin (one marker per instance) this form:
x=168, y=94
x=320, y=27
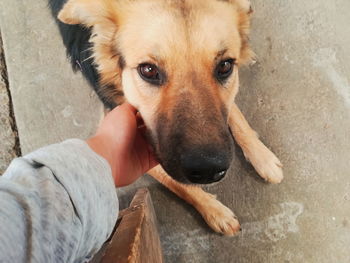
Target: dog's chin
x=180, y=178
x=183, y=180
x=174, y=173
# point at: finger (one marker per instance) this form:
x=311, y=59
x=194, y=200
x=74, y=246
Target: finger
x=128, y=107
x=123, y=111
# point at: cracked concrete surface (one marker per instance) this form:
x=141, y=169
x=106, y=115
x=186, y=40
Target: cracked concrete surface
x=8, y=134
x=50, y=102
x=297, y=97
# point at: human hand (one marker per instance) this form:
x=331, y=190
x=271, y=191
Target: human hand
x=121, y=142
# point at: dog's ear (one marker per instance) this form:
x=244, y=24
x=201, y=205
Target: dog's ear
x=244, y=12
x=87, y=12
x=101, y=16
x=243, y=5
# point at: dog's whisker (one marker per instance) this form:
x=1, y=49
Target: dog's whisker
x=88, y=58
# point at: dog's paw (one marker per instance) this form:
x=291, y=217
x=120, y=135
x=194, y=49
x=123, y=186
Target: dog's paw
x=265, y=162
x=219, y=217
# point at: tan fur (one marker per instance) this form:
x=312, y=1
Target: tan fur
x=220, y=218
x=264, y=161
x=177, y=36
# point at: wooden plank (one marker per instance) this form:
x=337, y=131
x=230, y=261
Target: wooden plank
x=136, y=238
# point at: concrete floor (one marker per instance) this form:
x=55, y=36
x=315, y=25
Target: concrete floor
x=297, y=96
x=7, y=129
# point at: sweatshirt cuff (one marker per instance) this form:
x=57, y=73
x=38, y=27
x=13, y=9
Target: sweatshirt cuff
x=87, y=178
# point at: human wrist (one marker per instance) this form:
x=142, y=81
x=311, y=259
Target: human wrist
x=104, y=148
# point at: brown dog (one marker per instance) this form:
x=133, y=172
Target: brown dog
x=177, y=62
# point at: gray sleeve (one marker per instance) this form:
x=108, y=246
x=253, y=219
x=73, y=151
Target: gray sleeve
x=57, y=204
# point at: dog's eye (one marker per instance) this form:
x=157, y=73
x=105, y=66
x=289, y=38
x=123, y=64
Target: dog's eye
x=224, y=69
x=150, y=73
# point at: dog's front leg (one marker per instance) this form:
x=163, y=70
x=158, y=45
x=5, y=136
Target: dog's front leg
x=264, y=161
x=220, y=218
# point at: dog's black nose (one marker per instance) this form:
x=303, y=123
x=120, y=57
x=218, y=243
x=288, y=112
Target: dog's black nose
x=205, y=167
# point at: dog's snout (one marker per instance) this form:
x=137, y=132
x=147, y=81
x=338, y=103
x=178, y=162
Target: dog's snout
x=205, y=167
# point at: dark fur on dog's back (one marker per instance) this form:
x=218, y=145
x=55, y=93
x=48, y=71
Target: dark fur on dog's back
x=76, y=39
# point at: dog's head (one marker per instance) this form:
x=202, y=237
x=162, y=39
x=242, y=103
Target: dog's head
x=177, y=62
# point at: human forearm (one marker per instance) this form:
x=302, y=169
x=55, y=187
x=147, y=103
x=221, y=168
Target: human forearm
x=57, y=204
